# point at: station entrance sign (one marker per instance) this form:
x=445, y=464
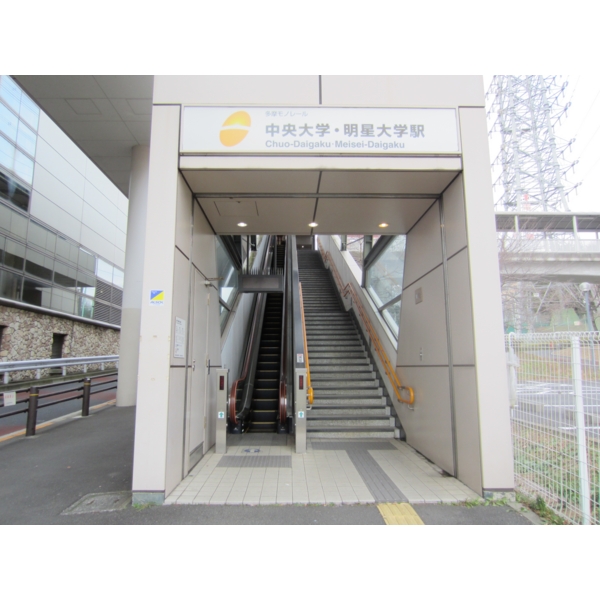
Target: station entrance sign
x=318, y=130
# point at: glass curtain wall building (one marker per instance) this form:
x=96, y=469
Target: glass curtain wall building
x=59, y=248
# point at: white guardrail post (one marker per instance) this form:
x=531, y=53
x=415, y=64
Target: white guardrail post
x=222, y=395
x=584, y=482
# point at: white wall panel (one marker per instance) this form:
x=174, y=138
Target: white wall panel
x=461, y=315
x=427, y=427
x=61, y=142
x=121, y=221
x=98, y=223
x=423, y=325
x=54, y=216
x=51, y=160
x=423, y=246
x=174, y=450
x=183, y=234
x=454, y=217
x=120, y=239
x=119, y=258
x=467, y=427
x=96, y=243
x=237, y=90
x=403, y=90
x=97, y=200
x=95, y=176
x=46, y=184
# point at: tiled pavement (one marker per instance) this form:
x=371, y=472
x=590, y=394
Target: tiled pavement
x=262, y=470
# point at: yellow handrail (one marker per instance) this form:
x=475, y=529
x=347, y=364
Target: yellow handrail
x=309, y=391
x=387, y=365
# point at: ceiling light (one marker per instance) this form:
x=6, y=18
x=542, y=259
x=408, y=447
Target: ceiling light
x=383, y=225
x=242, y=224
x=313, y=224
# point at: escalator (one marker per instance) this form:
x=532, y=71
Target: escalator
x=256, y=398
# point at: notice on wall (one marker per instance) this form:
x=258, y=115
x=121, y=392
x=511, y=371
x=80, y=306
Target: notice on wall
x=179, y=341
x=300, y=358
x=318, y=130
x=10, y=398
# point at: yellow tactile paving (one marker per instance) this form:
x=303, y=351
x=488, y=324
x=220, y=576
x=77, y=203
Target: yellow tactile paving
x=399, y=514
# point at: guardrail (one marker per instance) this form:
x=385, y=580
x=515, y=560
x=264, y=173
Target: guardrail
x=346, y=290
x=50, y=363
x=554, y=384
x=33, y=397
x=310, y=394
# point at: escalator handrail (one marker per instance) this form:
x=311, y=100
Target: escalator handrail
x=283, y=358
x=255, y=328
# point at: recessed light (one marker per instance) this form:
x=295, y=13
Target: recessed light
x=313, y=224
x=242, y=224
x=383, y=225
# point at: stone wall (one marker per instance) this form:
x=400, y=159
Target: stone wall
x=27, y=335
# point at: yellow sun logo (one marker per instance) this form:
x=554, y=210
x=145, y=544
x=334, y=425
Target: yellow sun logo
x=235, y=128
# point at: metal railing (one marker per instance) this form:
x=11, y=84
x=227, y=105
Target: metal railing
x=552, y=246
x=34, y=400
x=348, y=290
x=554, y=383
x=51, y=363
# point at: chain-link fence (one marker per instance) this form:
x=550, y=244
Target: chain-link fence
x=554, y=381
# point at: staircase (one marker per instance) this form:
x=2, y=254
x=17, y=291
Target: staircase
x=348, y=399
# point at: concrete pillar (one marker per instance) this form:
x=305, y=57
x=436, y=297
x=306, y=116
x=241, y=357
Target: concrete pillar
x=134, y=268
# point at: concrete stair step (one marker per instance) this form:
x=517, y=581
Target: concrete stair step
x=358, y=410
x=335, y=403
x=332, y=362
x=340, y=369
x=337, y=433
x=344, y=384
x=328, y=394
x=336, y=376
x=349, y=421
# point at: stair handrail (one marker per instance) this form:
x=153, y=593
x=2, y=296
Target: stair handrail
x=255, y=329
x=348, y=289
x=310, y=394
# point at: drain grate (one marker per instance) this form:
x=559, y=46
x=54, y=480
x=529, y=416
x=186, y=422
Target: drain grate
x=92, y=503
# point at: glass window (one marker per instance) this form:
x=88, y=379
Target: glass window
x=26, y=139
x=2, y=240
x=30, y=113
x=118, y=277
x=227, y=273
x=14, y=192
x=104, y=270
x=14, y=255
x=7, y=154
x=38, y=265
x=66, y=250
x=87, y=261
x=41, y=237
x=37, y=293
x=391, y=314
x=65, y=275
x=384, y=281
x=10, y=285
x=8, y=123
x=13, y=222
x=85, y=307
x=10, y=92
x=23, y=167
x=384, y=277
x=62, y=300
x=86, y=283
